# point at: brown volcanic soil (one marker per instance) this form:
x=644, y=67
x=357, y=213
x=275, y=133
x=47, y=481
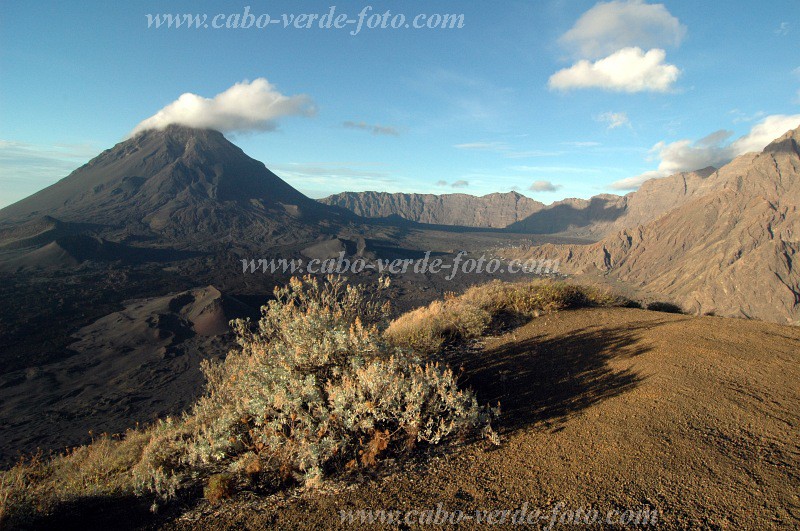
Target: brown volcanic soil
x=603, y=408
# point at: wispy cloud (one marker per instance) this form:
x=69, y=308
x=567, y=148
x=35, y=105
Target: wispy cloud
x=375, y=129
x=614, y=119
x=582, y=144
x=553, y=169
x=507, y=151
x=783, y=29
x=484, y=146
x=329, y=177
x=26, y=168
x=461, y=99
x=246, y=106
x=460, y=184
x=739, y=116
x=441, y=183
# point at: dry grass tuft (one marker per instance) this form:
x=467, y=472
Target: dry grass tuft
x=219, y=487
x=469, y=316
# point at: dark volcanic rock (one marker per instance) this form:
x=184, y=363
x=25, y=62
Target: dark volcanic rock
x=133, y=365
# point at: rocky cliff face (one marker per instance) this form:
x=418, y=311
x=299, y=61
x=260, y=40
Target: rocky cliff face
x=731, y=248
x=587, y=218
x=494, y=210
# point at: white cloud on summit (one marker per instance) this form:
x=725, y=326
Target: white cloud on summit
x=765, y=132
x=712, y=150
x=611, y=26
x=627, y=70
x=246, y=106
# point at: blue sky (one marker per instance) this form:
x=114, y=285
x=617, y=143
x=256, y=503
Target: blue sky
x=552, y=98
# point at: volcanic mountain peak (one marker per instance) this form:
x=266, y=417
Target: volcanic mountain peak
x=173, y=181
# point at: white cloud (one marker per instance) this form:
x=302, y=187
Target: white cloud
x=712, y=150
x=246, y=106
x=375, y=129
x=626, y=70
x=441, y=183
x=543, y=186
x=632, y=183
x=614, y=119
x=783, y=29
x=611, y=26
x=460, y=184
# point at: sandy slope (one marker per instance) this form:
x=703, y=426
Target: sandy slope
x=606, y=408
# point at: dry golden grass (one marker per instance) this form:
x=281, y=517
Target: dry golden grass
x=106, y=467
x=468, y=316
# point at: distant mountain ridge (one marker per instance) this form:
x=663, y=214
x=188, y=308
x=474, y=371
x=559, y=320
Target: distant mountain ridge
x=495, y=210
x=589, y=218
x=730, y=248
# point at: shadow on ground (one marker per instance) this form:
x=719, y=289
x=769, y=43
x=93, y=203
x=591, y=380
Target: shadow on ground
x=541, y=379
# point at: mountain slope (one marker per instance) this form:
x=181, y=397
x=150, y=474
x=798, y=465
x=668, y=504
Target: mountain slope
x=732, y=250
x=576, y=217
x=176, y=183
x=129, y=366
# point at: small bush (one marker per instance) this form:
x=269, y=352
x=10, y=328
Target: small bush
x=666, y=307
x=312, y=388
x=219, y=487
x=426, y=329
